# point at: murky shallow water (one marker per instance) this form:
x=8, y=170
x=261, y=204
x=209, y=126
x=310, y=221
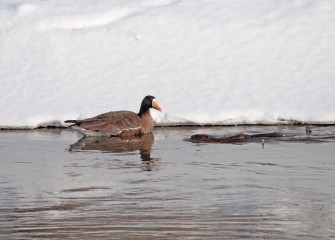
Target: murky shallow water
x=285, y=190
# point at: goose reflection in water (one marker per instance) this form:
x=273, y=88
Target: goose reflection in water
x=143, y=144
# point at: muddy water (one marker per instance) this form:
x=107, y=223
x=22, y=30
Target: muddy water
x=53, y=186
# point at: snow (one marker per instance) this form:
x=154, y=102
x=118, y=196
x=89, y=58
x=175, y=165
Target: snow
x=206, y=61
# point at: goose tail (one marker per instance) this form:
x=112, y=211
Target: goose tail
x=71, y=121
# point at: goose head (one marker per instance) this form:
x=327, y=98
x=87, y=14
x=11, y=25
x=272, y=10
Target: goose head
x=147, y=103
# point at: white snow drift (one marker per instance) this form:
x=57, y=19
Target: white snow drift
x=206, y=61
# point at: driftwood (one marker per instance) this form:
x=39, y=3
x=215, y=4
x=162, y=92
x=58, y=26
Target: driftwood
x=208, y=138
x=238, y=138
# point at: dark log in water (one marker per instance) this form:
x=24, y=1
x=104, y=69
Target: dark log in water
x=208, y=138
x=239, y=138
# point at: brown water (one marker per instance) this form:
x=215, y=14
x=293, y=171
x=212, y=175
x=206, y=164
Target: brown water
x=168, y=188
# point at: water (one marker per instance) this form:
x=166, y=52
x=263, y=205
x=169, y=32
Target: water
x=166, y=187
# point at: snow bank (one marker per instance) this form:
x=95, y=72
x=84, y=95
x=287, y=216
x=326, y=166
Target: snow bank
x=206, y=61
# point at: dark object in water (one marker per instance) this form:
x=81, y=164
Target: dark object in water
x=208, y=138
x=239, y=138
x=292, y=134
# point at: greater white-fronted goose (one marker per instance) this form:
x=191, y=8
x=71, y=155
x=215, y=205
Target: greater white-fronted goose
x=119, y=123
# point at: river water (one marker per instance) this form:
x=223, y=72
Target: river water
x=163, y=187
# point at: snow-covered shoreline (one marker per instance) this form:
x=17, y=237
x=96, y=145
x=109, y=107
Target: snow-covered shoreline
x=207, y=62
x=181, y=125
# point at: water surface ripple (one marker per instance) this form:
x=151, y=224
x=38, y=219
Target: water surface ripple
x=53, y=186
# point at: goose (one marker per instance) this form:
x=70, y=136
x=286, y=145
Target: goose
x=119, y=123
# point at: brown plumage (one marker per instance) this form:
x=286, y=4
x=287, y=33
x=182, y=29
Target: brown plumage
x=119, y=123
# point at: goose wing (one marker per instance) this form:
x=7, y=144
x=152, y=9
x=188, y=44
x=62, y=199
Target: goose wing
x=112, y=123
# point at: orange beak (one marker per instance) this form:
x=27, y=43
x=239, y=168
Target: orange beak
x=155, y=105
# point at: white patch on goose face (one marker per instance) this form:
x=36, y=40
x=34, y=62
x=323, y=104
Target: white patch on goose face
x=154, y=101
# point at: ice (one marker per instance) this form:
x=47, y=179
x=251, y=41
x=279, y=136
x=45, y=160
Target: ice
x=206, y=62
